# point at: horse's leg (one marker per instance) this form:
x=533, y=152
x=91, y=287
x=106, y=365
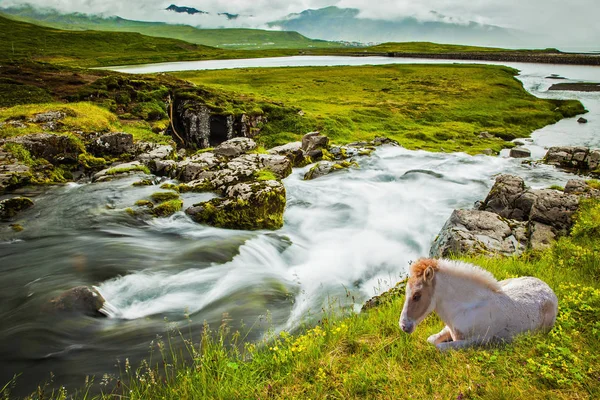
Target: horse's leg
x=443, y=336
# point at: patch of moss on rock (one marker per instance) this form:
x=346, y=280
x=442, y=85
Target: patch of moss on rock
x=144, y=203
x=143, y=182
x=160, y=197
x=167, y=208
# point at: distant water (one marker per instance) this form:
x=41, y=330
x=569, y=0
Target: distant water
x=346, y=237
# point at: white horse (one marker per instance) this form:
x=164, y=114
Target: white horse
x=476, y=308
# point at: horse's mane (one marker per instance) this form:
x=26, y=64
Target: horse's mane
x=456, y=268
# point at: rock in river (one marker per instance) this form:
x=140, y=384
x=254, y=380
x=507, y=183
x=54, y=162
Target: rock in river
x=81, y=299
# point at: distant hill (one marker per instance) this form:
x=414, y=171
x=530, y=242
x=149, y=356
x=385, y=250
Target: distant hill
x=24, y=41
x=233, y=38
x=333, y=23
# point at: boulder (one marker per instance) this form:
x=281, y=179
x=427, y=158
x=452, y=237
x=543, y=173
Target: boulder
x=582, y=120
x=81, y=300
x=115, y=144
x=509, y=198
x=157, y=152
x=581, y=188
x=235, y=147
x=577, y=157
x=293, y=151
x=11, y=207
x=49, y=116
x=248, y=205
x=189, y=169
x=57, y=149
x=519, y=152
x=477, y=232
x=12, y=172
x=541, y=236
x=485, y=135
x=314, y=141
x=323, y=168
x=555, y=209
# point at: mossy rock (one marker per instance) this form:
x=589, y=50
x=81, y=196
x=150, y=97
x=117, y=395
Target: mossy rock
x=167, y=208
x=251, y=206
x=11, y=207
x=160, y=197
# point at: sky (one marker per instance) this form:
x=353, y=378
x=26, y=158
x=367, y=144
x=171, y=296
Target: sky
x=572, y=21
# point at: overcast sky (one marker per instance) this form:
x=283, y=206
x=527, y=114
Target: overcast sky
x=567, y=21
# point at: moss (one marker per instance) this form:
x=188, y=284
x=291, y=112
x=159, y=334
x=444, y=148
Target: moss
x=557, y=187
x=144, y=182
x=144, y=203
x=19, y=152
x=265, y=175
x=88, y=161
x=130, y=211
x=17, y=227
x=123, y=170
x=167, y=208
x=159, y=197
x=327, y=156
x=594, y=184
x=170, y=186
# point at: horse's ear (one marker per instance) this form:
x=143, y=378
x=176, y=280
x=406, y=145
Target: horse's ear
x=428, y=275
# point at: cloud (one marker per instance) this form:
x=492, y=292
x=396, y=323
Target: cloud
x=560, y=21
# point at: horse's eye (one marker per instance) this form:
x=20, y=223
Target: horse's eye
x=416, y=297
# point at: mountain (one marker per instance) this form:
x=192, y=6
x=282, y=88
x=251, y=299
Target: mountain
x=186, y=10
x=344, y=24
x=233, y=38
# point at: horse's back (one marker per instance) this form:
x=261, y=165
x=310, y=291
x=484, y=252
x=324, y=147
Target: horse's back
x=534, y=301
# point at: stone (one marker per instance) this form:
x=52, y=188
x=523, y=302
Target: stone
x=576, y=157
x=519, y=152
x=509, y=198
x=323, y=168
x=12, y=172
x=248, y=205
x=11, y=207
x=541, y=236
x=485, y=135
x=555, y=209
x=189, y=169
x=80, y=300
x=49, y=116
x=56, y=149
x=314, y=141
x=580, y=188
x=124, y=169
x=381, y=141
x=487, y=152
x=115, y=144
x=293, y=151
x=235, y=147
x=582, y=120
x=475, y=232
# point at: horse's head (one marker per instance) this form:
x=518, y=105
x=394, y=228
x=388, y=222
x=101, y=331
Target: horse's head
x=419, y=294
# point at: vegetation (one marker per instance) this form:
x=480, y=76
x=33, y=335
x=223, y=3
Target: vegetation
x=234, y=38
x=160, y=197
x=431, y=107
x=167, y=208
x=131, y=168
x=366, y=355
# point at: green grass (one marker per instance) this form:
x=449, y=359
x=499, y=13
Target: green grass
x=437, y=48
x=231, y=38
x=366, y=355
x=431, y=107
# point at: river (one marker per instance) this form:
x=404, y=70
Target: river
x=346, y=237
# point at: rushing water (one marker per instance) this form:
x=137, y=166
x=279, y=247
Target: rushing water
x=346, y=237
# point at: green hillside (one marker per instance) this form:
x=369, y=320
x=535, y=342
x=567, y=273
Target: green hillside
x=234, y=38
x=21, y=40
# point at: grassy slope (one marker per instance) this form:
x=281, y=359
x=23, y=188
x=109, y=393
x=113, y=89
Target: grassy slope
x=367, y=356
x=235, y=38
x=436, y=48
x=432, y=107
x=20, y=40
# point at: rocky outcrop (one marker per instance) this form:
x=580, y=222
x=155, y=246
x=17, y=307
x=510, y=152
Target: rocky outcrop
x=479, y=232
x=11, y=207
x=113, y=144
x=12, y=172
x=199, y=126
x=56, y=149
x=314, y=141
x=120, y=170
x=80, y=300
x=574, y=157
x=582, y=120
x=511, y=219
x=293, y=151
x=235, y=147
